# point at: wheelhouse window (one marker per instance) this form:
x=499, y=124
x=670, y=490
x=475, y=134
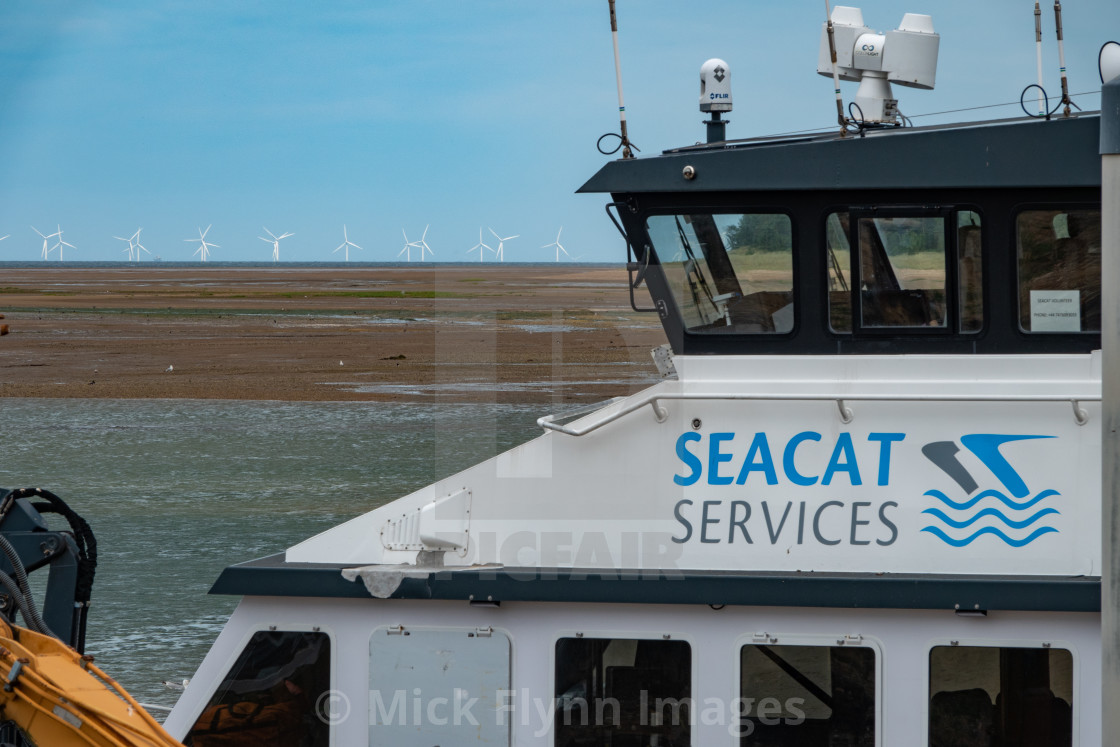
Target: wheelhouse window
x=807, y=696
x=728, y=273
x=623, y=691
x=981, y=696
x=272, y=695
x=918, y=270
x=1059, y=270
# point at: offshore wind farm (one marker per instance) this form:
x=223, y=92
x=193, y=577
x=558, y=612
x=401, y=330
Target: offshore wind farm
x=331, y=118
x=202, y=251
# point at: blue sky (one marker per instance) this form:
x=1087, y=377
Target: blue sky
x=305, y=116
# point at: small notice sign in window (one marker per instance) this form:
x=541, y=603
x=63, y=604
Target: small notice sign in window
x=1055, y=311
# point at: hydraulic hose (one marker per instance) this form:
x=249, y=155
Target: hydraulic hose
x=31, y=613
x=26, y=608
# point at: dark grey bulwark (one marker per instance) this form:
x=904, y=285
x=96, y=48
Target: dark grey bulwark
x=271, y=576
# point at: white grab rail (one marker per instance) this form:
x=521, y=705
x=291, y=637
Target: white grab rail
x=660, y=414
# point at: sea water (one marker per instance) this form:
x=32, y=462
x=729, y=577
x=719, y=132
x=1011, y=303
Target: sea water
x=176, y=490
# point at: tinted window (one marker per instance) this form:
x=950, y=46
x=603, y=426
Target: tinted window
x=270, y=694
x=970, y=271
x=1059, y=270
x=988, y=696
x=807, y=696
x=728, y=273
x=623, y=691
x=902, y=270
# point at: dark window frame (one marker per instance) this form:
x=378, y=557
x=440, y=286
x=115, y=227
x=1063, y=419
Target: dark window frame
x=969, y=708
x=949, y=212
x=670, y=297
x=220, y=714
x=1013, y=251
x=871, y=647
x=605, y=706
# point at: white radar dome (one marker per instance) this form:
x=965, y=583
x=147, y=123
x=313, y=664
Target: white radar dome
x=715, y=86
x=1109, y=62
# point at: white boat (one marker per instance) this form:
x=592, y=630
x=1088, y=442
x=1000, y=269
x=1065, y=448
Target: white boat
x=862, y=508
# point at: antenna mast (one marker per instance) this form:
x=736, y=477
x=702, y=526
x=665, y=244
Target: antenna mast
x=618, y=76
x=1061, y=56
x=1038, y=51
x=840, y=118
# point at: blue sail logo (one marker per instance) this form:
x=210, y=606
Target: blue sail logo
x=1016, y=517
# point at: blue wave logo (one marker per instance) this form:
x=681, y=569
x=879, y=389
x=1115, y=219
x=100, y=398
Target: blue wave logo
x=1017, y=522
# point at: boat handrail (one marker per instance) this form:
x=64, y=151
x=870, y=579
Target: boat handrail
x=846, y=415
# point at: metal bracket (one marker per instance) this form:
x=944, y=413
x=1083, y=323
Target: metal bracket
x=13, y=674
x=632, y=265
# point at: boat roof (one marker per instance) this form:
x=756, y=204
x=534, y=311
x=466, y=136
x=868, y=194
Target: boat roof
x=275, y=576
x=1023, y=152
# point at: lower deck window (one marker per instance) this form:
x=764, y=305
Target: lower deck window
x=623, y=692
x=984, y=696
x=270, y=695
x=807, y=696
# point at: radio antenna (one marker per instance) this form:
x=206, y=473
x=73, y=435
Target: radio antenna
x=1061, y=56
x=840, y=118
x=618, y=76
x=1038, y=51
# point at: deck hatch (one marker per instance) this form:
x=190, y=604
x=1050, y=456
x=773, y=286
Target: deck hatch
x=439, y=686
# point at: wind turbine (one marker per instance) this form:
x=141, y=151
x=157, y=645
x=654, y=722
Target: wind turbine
x=559, y=246
x=409, y=245
x=60, y=243
x=134, y=245
x=139, y=246
x=423, y=244
x=346, y=244
x=203, y=244
x=46, y=242
x=480, y=246
x=499, y=252
x=127, y=251
x=275, y=242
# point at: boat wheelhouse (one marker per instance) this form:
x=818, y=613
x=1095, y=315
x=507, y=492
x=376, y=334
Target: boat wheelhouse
x=862, y=507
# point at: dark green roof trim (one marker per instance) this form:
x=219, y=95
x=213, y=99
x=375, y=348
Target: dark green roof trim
x=271, y=576
x=1012, y=153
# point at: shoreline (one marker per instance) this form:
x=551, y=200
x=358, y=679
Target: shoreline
x=455, y=333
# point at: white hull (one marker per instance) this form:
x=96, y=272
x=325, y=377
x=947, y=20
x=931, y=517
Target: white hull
x=902, y=640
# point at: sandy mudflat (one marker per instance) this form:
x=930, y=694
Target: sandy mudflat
x=546, y=334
